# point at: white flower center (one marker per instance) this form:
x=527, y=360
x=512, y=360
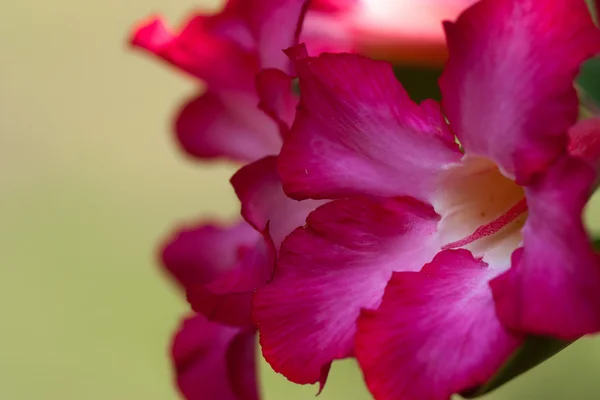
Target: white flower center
x=482, y=210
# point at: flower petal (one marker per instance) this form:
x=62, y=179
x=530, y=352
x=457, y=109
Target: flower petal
x=357, y=136
x=508, y=88
x=241, y=361
x=329, y=270
x=219, y=268
x=211, y=361
x=332, y=5
x=264, y=205
x=200, y=253
x=274, y=88
x=202, y=49
x=227, y=49
x=226, y=126
x=553, y=286
x=326, y=30
x=276, y=25
x=228, y=299
x=435, y=333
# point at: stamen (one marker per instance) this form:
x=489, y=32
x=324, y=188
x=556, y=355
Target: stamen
x=492, y=227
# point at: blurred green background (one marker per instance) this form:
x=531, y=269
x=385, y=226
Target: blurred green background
x=90, y=180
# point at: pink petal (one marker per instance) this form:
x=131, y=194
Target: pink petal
x=329, y=270
x=228, y=298
x=584, y=141
x=357, y=136
x=274, y=88
x=436, y=332
x=276, y=26
x=220, y=267
x=241, y=361
x=326, y=29
x=200, y=51
x=332, y=5
x=264, y=205
x=227, y=49
x=201, y=253
x=230, y=126
x=508, y=87
x=212, y=361
x=553, y=287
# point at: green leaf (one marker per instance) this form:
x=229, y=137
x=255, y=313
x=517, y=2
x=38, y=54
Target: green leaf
x=533, y=352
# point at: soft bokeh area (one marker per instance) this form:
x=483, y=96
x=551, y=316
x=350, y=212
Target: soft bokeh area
x=90, y=180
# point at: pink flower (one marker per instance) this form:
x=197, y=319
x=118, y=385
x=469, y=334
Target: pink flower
x=218, y=267
x=226, y=51
x=214, y=361
x=401, y=30
x=431, y=264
